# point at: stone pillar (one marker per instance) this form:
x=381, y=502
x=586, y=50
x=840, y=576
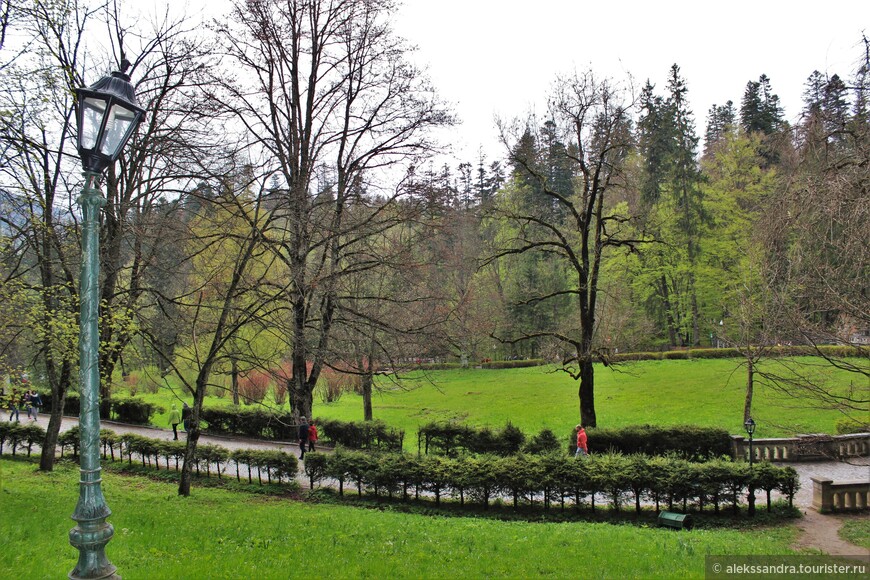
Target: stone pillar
x=823, y=497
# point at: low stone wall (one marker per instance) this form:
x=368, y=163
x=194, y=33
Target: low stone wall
x=803, y=447
x=840, y=496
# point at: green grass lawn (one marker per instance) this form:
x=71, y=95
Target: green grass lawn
x=222, y=534
x=707, y=392
x=699, y=392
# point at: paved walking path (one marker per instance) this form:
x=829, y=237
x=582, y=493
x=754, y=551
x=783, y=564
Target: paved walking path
x=820, y=531
x=231, y=443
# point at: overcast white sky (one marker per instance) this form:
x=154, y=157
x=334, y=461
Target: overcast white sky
x=493, y=57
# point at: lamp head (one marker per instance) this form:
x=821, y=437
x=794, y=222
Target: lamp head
x=749, y=425
x=108, y=113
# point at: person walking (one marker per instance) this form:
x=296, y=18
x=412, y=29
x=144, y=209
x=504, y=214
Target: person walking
x=34, y=404
x=312, y=435
x=174, y=420
x=13, y=401
x=27, y=404
x=185, y=415
x=582, y=450
x=303, y=436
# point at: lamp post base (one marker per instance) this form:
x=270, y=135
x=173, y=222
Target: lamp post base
x=91, y=537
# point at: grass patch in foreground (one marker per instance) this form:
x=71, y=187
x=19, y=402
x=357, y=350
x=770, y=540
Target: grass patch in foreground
x=221, y=534
x=857, y=531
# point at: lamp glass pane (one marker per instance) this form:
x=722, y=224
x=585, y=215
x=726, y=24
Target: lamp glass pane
x=93, y=110
x=118, y=127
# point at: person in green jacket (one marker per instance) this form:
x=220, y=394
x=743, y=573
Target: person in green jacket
x=174, y=420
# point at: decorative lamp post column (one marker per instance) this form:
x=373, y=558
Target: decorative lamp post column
x=106, y=117
x=749, y=425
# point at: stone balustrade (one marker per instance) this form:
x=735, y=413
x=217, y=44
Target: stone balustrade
x=803, y=447
x=840, y=496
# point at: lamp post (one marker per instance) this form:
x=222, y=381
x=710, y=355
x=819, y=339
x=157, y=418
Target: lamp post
x=749, y=425
x=106, y=118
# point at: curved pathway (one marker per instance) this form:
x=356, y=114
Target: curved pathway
x=820, y=531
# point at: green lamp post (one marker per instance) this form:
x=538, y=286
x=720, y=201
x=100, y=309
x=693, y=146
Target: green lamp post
x=106, y=117
x=749, y=425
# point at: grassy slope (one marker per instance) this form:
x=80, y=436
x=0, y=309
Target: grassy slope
x=702, y=392
x=221, y=534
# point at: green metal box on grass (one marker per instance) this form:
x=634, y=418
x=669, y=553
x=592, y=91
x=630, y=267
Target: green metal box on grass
x=676, y=521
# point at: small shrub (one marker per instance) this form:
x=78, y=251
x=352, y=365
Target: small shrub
x=132, y=382
x=135, y=411
x=544, y=442
x=279, y=392
x=253, y=386
x=848, y=426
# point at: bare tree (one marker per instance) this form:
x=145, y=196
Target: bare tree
x=325, y=90
x=40, y=168
x=593, y=119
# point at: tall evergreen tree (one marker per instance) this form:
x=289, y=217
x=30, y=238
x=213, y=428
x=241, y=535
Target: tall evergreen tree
x=720, y=123
x=655, y=140
x=685, y=181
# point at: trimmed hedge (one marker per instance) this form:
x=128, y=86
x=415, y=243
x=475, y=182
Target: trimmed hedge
x=124, y=409
x=133, y=410
x=831, y=350
x=448, y=438
x=513, y=364
x=20, y=436
x=282, y=426
x=688, y=441
x=553, y=478
x=361, y=435
x=257, y=423
x=276, y=466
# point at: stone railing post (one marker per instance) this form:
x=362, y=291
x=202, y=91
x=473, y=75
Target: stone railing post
x=823, y=496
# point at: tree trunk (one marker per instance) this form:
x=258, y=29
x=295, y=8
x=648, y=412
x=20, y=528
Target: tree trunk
x=587, y=393
x=49, y=444
x=302, y=399
x=696, y=328
x=193, y=432
x=234, y=375
x=367, y=396
x=669, y=315
x=747, y=405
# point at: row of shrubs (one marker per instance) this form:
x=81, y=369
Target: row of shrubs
x=449, y=438
x=831, y=350
x=486, y=364
x=274, y=464
x=256, y=423
x=283, y=426
x=362, y=435
x=17, y=436
x=513, y=364
x=549, y=478
x=123, y=409
x=688, y=441
x=553, y=478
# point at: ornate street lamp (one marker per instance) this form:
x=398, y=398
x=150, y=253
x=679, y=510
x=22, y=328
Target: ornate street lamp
x=749, y=425
x=106, y=117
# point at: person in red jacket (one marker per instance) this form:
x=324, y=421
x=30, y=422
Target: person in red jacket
x=312, y=435
x=582, y=450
